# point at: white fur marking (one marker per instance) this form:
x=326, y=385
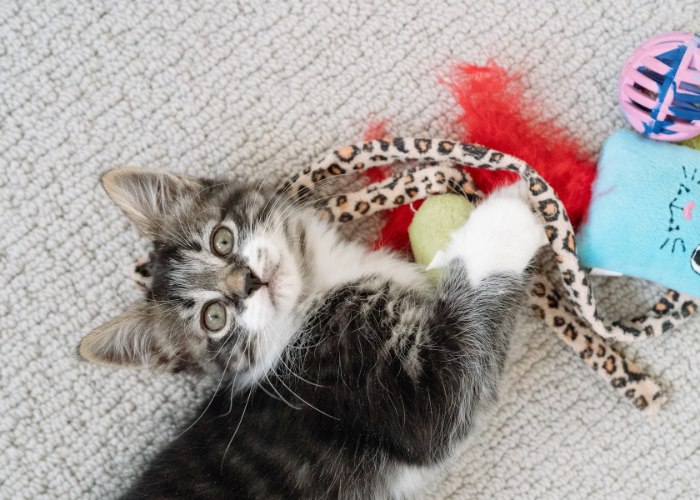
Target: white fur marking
x=501, y=235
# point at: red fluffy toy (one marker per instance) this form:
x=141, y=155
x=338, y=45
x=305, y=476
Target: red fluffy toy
x=496, y=115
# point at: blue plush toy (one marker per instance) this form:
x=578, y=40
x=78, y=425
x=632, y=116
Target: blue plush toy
x=644, y=219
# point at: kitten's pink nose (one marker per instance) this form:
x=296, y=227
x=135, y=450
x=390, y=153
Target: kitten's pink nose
x=243, y=282
x=688, y=210
x=252, y=283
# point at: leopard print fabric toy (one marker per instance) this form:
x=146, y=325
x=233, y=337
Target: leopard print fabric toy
x=566, y=303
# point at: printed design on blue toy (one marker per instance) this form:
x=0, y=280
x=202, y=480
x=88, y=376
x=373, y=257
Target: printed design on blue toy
x=681, y=209
x=685, y=103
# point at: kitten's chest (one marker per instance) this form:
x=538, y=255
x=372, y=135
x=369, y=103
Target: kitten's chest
x=333, y=261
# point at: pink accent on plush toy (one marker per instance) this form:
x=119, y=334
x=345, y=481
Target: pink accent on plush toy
x=660, y=87
x=688, y=210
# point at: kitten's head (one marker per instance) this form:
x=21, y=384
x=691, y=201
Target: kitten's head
x=227, y=274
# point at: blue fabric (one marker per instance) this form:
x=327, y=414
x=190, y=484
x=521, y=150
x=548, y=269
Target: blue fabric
x=644, y=220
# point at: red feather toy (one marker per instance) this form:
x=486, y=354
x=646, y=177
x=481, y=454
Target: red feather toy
x=495, y=113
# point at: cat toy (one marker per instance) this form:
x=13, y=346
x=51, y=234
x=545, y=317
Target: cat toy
x=643, y=220
x=566, y=304
x=660, y=87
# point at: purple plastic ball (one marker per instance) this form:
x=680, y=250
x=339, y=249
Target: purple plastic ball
x=660, y=87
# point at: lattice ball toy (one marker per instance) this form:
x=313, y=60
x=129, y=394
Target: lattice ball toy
x=660, y=87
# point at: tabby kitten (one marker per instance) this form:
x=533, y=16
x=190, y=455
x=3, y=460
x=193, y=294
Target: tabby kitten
x=345, y=374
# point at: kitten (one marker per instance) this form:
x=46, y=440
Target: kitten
x=345, y=374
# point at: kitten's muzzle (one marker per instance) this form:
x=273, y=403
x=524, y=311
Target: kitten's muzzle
x=242, y=282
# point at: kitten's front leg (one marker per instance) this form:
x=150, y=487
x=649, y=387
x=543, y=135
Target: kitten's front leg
x=501, y=236
x=426, y=389
x=485, y=286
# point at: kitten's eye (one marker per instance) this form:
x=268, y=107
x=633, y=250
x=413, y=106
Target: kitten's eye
x=214, y=317
x=222, y=241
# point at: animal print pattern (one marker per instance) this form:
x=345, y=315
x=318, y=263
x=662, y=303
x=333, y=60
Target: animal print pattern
x=599, y=354
x=572, y=314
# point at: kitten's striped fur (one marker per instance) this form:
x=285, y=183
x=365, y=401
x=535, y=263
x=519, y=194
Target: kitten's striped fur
x=346, y=375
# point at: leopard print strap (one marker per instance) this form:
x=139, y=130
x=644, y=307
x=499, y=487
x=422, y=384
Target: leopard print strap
x=598, y=353
x=574, y=317
x=409, y=185
x=670, y=310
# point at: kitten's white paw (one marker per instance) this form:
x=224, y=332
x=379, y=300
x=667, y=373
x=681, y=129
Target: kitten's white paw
x=501, y=235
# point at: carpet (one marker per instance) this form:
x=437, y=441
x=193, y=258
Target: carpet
x=252, y=92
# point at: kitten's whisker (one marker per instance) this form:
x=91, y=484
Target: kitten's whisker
x=245, y=407
x=319, y=186
x=211, y=400
x=306, y=402
x=279, y=396
x=299, y=377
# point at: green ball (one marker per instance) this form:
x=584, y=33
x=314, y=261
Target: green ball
x=432, y=224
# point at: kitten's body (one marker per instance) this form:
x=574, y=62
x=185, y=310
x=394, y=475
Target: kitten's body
x=347, y=375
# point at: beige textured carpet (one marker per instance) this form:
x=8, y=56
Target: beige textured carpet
x=222, y=87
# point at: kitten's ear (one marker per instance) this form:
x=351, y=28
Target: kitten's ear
x=146, y=196
x=135, y=337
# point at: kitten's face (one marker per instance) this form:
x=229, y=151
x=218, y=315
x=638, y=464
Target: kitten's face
x=227, y=275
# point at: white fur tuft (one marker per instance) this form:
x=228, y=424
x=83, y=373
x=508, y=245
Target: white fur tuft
x=501, y=235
